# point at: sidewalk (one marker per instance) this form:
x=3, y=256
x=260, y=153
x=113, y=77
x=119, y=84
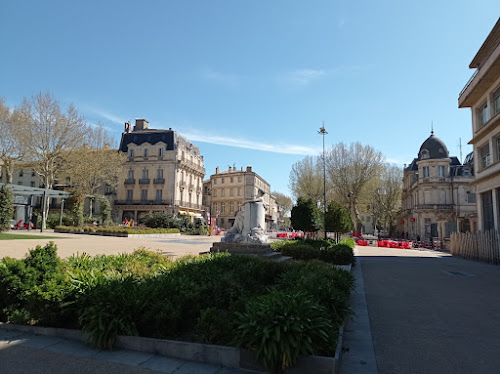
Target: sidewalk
x=29, y=353
x=430, y=313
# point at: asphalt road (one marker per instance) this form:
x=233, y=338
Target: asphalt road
x=432, y=313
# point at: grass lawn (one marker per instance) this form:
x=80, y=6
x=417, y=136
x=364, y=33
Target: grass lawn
x=25, y=236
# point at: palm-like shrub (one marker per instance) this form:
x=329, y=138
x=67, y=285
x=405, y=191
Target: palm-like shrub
x=281, y=326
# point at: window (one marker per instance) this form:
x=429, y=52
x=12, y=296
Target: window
x=498, y=148
x=21, y=173
x=441, y=171
x=130, y=174
x=231, y=192
x=131, y=153
x=158, y=195
x=32, y=184
x=222, y=181
x=159, y=174
x=145, y=174
x=222, y=192
x=231, y=207
x=470, y=197
x=215, y=192
x=239, y=191
x=215, y=208
x=426, y=172
x=215, y=181
x=239, y=179
x=487, y=200
x=484, y=155
x=146, y=152
x=32, y=173
x=130, y=194
x=496, y=101
x=240, y=206
x=144, y=195
x=231, y=180
x=222, y=207
x=160, y=152
x=482, y=115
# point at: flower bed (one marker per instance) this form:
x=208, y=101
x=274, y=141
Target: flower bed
x=115, y=231
x=276, y=310
x=308, y=249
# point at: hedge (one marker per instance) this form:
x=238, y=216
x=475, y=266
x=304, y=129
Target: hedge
x=118, y=230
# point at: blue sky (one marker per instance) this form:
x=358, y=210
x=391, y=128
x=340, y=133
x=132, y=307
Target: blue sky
x=261, y=76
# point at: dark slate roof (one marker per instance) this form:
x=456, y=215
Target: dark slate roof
x=433, y=148
x=413, y=166
x=147, y=136
x=455, y=161
x=469, y=159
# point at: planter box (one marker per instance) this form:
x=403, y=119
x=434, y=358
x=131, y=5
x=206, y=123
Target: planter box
x=230, y=357
x=121, y=235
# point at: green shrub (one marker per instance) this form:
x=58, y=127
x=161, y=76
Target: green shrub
x=159, y=220
x=281, y=326
x=53, y=220
x=6, y=208
x=348, y=241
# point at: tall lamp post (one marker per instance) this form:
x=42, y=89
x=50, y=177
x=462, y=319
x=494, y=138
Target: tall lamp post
x=323, y=132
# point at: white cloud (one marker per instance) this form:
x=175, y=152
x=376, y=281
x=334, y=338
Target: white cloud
x=303, y=77
x=249, y=144
x=111, y=117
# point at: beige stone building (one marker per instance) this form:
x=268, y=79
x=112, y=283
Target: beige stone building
x=482, y=95
x=225, y=192
x=164, y=172
x=438, y=193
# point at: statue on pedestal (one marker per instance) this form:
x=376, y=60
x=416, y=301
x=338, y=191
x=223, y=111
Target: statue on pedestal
x=249, y=224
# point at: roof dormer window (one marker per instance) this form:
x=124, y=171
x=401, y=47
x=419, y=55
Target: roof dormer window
x=424, y=154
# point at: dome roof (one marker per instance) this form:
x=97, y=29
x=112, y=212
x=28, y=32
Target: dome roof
x=433, y=147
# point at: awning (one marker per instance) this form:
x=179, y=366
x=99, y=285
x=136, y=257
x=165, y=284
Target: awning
x=183, y=212
x=192, y=214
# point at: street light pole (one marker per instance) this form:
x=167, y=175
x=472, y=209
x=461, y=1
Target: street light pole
x=323, y=132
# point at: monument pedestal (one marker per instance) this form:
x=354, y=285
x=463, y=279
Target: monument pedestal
x=241, y=248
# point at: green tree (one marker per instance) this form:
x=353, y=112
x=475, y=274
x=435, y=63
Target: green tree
x=338, y=219
x=77, y=202
x=6, y=208
x=304, y=215
x=105, y=206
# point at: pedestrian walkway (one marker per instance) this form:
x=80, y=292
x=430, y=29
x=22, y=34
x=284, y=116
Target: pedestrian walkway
x=430, y=312
x=23, y=353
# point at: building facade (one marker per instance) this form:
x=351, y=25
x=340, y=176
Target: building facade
x=225, y=193
x=164, y=172
x=438, y=194
x=482, y=95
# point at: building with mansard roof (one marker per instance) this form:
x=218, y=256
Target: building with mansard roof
x=438, y=193
x=164, y=172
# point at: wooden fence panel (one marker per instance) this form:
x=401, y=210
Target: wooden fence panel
x=480, y=246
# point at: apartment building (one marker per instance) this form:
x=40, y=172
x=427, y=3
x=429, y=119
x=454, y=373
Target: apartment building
x=164, y=172
x=438, y=193
x=482, y=95
x=225, y=193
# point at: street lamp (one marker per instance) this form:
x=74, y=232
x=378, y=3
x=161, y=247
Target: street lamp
x=323, y=132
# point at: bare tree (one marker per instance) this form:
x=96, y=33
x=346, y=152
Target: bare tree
x=10, y=148
x=284, y=204
x=49, y=135
x=386, y=196
x=350, y=168
x=306, y=180
x=94, y=165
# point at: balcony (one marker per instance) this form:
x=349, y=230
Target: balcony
x=186, y=204
x=144, y=181
x=130, y=181
x=448, y=207
x=143, y=202
x=191, y=165
x=159, y=181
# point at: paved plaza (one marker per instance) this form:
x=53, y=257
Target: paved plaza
x=69, y=244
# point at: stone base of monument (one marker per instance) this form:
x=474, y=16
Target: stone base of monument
x=241, y=248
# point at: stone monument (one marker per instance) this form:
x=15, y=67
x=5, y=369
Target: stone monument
x=248, y=234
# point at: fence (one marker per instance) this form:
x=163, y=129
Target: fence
x=481, y=246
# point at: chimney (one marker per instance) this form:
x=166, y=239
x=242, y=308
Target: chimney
x=141, y=124
x=249, y=169
x=217, y=170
